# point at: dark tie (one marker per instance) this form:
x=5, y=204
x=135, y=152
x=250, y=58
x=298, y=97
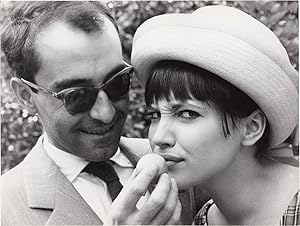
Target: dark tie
x=106, y=172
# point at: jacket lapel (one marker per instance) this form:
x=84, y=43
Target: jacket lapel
x=48, y=188
x=70, y=208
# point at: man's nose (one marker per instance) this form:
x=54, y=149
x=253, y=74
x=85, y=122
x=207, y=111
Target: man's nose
x=164, y=134
x=103, y=108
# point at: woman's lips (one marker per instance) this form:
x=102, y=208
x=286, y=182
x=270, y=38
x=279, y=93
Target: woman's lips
x=171, y=159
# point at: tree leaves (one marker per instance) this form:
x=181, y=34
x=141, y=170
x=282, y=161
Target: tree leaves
x=19, y=130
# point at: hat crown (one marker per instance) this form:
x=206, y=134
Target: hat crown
x=232, y=45
x=228, y=21
x=236, y=23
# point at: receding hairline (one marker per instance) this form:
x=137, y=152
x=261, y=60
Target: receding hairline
x=28, y=19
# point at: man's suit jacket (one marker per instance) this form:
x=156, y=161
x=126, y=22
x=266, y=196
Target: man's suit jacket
x=37, y=193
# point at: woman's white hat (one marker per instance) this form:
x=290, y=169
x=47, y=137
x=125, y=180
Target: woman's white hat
x=232, y=45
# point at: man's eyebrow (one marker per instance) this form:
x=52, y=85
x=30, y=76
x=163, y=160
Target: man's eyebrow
x=114, y=72
x=73, y=82
x=67, y=83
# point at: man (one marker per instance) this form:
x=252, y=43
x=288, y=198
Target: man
x=68, y=67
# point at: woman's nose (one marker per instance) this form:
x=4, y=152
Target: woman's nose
x=103, y=108
x=163, y=135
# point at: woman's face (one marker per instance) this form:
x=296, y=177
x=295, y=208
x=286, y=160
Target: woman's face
x=190, y=137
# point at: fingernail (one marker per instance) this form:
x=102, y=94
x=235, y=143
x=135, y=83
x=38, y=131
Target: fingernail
x=165, y=175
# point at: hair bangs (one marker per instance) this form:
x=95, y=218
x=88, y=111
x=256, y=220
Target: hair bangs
x=168, y=80
x=183, y=81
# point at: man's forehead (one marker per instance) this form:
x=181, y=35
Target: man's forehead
x=66, y=53
x=61, y=36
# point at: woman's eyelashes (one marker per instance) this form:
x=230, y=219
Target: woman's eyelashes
x=180, y=114
x=188, y=114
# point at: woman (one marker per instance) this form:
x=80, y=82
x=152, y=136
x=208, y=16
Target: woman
x=222, y=99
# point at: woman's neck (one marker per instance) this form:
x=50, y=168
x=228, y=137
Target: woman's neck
x=248, y=193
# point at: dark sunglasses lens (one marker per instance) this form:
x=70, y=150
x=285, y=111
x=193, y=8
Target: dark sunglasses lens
x=80, y=100
x=118, y=87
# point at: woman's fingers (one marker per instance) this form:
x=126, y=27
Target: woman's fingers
x=162, y=206
x=167, y=212
x=125, y=203
x=156, y=201
x=175, y=218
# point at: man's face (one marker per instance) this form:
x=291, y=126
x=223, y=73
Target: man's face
x=72, y=58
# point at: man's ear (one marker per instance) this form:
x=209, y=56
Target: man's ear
x=23, y=94
x=254, y=127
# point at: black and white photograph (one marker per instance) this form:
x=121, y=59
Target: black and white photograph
x=150, y=112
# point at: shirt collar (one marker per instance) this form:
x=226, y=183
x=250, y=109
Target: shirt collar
x=72, y=165
x=121, y=160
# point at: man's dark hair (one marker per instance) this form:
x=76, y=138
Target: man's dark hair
x=29, y=18
x=186, y=81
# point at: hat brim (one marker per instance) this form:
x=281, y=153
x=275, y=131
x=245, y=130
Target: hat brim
x=230, y=58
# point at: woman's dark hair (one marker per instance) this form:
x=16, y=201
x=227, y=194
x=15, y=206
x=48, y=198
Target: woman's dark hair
x=186, y=81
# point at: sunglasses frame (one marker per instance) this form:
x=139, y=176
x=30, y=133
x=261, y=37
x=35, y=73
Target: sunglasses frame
x=62, y=94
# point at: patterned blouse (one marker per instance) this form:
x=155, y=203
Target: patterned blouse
x=290, y=217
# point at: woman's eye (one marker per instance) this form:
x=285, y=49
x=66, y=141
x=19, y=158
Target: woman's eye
x=188, y=114
x=153, y=115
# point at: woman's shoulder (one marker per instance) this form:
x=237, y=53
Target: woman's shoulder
x=292, y=214
x=290, y=217
x=201, y=216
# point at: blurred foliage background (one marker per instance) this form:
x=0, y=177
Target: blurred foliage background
x=19, y=130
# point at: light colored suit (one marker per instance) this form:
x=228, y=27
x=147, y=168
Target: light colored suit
x=37, y=193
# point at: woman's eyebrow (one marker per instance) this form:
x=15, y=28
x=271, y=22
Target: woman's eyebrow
x=201, y=107
x=171, y=107
x=176, y=106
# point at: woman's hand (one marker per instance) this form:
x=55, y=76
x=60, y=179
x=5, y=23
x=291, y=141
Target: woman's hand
x=163, y=205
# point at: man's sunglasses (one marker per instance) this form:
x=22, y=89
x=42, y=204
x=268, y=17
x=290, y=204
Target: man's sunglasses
x=82, y=99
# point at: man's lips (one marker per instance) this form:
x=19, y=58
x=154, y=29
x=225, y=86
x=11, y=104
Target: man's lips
x=96, y=128
x=97, y=131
